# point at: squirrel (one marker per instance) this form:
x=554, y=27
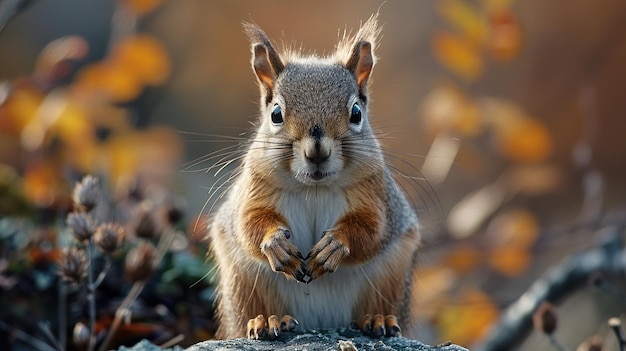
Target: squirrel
x=314, y=227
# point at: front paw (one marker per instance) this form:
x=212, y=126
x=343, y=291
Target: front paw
x=326, y=255
x=283, y=256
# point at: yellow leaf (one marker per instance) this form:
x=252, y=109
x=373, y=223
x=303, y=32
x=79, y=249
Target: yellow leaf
x=73, y=126
x=465, y=17
x=122, y=161
x=459, y=54
x=432, y=285
x=150, y=155
x=467, y=319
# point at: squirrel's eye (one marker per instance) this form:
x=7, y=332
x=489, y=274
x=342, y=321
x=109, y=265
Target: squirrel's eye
x=355, y=114
x=277, y=114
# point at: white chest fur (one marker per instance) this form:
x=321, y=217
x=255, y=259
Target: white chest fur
x=310, y=212
x=325, y=302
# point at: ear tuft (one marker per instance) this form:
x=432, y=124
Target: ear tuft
x=356, y=52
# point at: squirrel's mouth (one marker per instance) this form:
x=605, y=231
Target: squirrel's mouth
x=317, y=176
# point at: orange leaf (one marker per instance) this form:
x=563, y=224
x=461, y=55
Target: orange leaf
x=462, y=259
x=459, y=54
x=505, y=35
x=142, y=7
x=529, y=141
x=510, y=261
x=44, y=186
x=517, y=136
x=19, y=109
x=143, y=56
x=117, y=82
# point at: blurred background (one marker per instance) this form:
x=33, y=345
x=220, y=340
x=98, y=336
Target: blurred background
x=502, y=119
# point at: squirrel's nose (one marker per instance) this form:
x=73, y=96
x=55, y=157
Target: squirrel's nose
x=317, y=156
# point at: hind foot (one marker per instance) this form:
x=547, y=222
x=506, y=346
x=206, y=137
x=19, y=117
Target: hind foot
x=378, y=325
x=270, y=329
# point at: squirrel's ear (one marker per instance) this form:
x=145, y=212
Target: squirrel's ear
x=356, y=52
x=361, y=63
x=265, y=59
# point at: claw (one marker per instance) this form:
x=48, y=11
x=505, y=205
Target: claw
x=283, y=256
x=259, y=328
x=378, y=326
x=326, y=255
x=288, y=323
x=273, y=325
x=256, y=328
x=392, y=326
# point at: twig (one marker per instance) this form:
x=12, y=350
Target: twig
x=45, y=328
x=122, y=311
x=173, y=341
x=103, y=273
x=29, y=339
x=91, y=297
x=557, y=344
x=62, y=301
x=558, y=282
x=616, y=325
x=10, y=8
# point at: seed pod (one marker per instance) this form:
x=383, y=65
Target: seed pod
x=175, y=211
x=73, y=265
x=109, y=236
x=593, y=343
x=86, y=193
x=146, y=224
x=82, y=225
x=139, y=263
x=545, y=318
x=80, y=336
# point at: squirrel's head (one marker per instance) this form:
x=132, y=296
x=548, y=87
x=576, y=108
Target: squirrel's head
x=314, y=126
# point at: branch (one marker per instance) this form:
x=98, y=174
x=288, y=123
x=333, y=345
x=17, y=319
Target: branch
x=557, y=283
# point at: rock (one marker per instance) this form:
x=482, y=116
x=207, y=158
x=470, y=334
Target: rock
x=313, y=340
x=145, y=345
